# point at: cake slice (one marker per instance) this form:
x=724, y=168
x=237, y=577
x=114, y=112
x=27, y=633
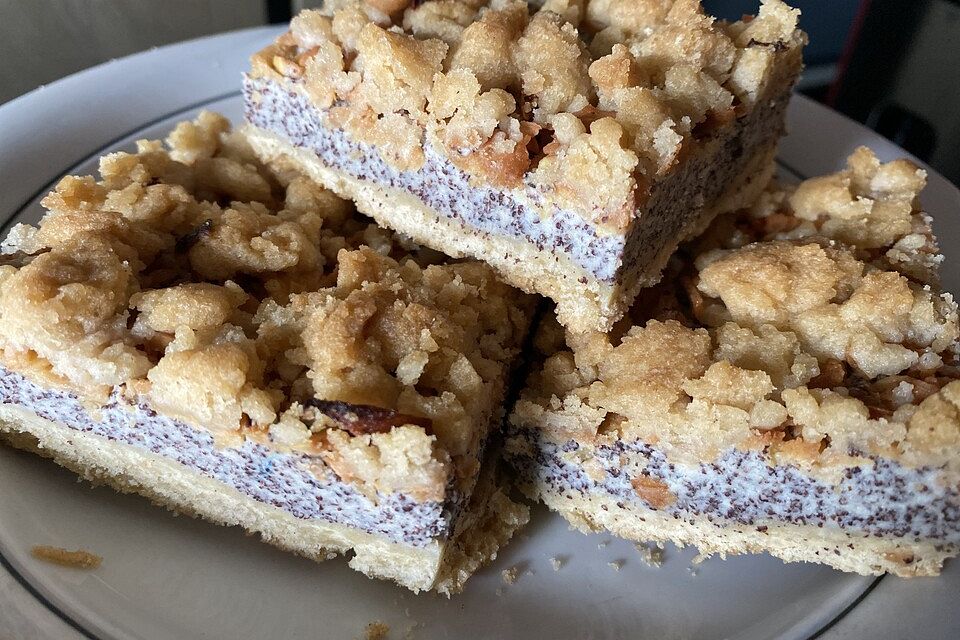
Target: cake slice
x=571, y=145
x=792, y=387
x=238, y=344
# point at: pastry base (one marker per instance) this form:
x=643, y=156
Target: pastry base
x=742, y=502
x=488, y=522
x=791, y=543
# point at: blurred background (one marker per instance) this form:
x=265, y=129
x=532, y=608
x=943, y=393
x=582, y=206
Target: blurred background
x=893, y=65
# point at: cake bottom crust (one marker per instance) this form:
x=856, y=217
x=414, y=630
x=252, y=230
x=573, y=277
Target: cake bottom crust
x=489, y=521
x=847, y=551
x=583, y=301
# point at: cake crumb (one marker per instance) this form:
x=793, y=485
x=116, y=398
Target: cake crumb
x=513, y=573
x=616, y=565
x=603, y=544
x=557, y=562
x=78, y=559
x=651, y=554
x=376, y=630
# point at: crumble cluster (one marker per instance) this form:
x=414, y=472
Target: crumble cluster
x=785, y=328
x=241, y=299
x=588, y=101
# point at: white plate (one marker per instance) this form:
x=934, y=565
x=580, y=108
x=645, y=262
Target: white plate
x=165, y=577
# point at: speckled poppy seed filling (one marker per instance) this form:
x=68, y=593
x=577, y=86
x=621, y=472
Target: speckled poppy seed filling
x=438, y=184
x=675, y=204
x=279, y=479
x=883, y=500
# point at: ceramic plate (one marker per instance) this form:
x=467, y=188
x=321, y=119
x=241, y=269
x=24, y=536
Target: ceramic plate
x=174, y=578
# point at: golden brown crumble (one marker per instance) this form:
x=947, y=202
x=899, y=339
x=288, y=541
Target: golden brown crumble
x=552, y=64
x=441, y=20
x=485, y=49
x=477, y=81
x=240, y=299
x=787, y=327
x=626, y=16
x=595, y=158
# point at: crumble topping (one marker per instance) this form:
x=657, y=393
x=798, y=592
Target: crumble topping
x=596, y=157
x=589, y=100
x=486, y=44
x=874, y=322
x=254, y=304
x=443, y=20
x=786, y=327
x=626, y=16
x=552, y=63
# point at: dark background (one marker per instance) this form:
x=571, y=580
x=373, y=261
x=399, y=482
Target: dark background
x=891, y=64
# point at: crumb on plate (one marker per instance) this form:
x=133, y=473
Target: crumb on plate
x=376, y=630
x=78, y=559
x=651, y=553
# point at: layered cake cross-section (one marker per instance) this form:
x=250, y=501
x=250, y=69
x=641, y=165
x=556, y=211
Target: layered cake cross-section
x=791, y=387
x=571, y=145
x=239, y=344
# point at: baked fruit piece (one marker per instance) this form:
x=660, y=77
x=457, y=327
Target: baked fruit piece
x=571, y=146
x=238, y=344
x=791, y=387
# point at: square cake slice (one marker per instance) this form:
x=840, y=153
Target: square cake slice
x=791, y=387
x=238, y=344
x=571, y=145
